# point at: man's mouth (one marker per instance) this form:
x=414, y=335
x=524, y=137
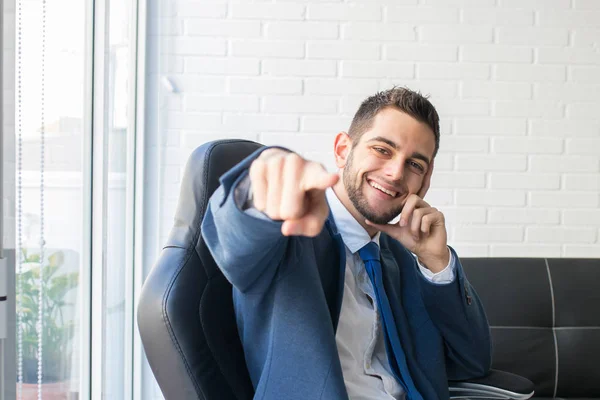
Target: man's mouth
x=382, y=189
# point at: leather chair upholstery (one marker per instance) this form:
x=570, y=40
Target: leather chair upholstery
x=185, y=311
x=545, y=320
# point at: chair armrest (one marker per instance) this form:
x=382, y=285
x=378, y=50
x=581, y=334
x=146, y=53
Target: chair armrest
x=495, y=385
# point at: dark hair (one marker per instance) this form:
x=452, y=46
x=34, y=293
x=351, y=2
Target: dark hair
x=403, y=99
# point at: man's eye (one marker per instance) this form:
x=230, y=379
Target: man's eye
x=381, y=150
x=417, y=166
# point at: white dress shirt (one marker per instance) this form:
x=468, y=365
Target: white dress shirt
x=359, y=336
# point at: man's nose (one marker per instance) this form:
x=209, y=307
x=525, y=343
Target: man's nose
x=394, y=169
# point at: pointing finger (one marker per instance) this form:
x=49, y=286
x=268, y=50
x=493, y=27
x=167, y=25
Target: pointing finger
x=316, y=177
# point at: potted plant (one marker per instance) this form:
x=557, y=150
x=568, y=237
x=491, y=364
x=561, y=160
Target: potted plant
x=58, y=329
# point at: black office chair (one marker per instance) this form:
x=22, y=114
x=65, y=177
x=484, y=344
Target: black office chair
x=185, y=312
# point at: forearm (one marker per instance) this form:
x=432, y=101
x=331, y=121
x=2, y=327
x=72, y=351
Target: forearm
x=457, y=312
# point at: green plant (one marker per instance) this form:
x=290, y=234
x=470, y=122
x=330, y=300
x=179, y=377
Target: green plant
x=57, y=330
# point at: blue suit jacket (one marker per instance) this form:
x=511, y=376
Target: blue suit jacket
x=288, y=294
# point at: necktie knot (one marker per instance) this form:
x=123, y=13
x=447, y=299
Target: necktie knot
x=369, y=252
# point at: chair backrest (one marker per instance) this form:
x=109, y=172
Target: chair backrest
x=545, y=320
x=185, y=312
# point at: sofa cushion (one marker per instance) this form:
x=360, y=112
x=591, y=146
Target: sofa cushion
x=545, y=320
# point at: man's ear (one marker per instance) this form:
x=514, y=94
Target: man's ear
x=426, y=181
x=341, y=149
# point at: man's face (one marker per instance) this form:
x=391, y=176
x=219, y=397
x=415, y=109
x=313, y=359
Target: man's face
x=387, y=164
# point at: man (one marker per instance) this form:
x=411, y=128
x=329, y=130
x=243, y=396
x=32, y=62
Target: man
x=332, y=301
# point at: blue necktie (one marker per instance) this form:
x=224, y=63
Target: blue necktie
x=370, y=255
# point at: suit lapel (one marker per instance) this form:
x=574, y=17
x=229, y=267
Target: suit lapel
x=339, y=272
x=395, y=265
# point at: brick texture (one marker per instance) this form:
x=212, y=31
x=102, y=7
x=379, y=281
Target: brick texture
x=516, y=84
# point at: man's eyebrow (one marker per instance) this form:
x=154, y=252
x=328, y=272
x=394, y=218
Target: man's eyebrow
x=384, y=140
x=416, y=155
x=420, y=156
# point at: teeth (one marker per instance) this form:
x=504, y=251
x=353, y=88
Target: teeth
x=376, y=186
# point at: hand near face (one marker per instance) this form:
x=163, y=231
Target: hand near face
x=421, y=229
x=288, y=188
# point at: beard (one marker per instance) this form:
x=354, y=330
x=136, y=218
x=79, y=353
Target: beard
x=360, y=202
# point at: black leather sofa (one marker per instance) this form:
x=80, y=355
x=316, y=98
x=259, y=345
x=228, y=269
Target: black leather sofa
x=545, y=320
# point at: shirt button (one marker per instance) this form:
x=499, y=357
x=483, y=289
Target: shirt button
x=368, y=365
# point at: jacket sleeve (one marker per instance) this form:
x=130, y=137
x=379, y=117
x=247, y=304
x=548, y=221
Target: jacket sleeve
x=247, y=249
x=457, y=312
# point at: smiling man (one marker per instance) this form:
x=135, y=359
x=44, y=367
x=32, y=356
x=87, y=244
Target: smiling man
x=332, y=300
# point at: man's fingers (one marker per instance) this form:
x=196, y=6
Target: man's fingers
x=258, y=178
x=282, y=183
x=311, y=224
x=413, y=202
x=292, y=197
x=426, y=181
x=422, y=219
x=316, y=177
x=415, y=222
x=432, y=216
x=274, y=183
x=431, y=219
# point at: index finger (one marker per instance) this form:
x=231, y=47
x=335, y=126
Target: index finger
x=426, y=181
x=316, y=177
x=413, y=202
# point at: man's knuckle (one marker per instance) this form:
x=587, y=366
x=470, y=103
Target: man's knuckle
x=285, y=214
x=289, y=211
x=274, y=162
x=313, y=166
x=257, y=166
x=273, y=214
x=293, y=158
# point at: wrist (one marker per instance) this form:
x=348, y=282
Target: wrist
x=435, y=262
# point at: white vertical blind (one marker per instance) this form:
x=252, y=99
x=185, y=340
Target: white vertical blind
x=18, y=259
x=79, y=191
x=3, y=264
x=39, y=281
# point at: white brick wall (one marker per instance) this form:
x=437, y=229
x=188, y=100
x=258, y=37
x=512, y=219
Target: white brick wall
x=516, y=82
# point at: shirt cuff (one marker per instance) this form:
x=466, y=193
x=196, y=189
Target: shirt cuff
x=243, y=198
x=443, y=277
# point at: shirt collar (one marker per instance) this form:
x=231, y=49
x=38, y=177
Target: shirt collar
x=353, y=234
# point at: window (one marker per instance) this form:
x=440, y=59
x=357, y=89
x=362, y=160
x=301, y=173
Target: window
x=76, y=81
x=50, y=81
